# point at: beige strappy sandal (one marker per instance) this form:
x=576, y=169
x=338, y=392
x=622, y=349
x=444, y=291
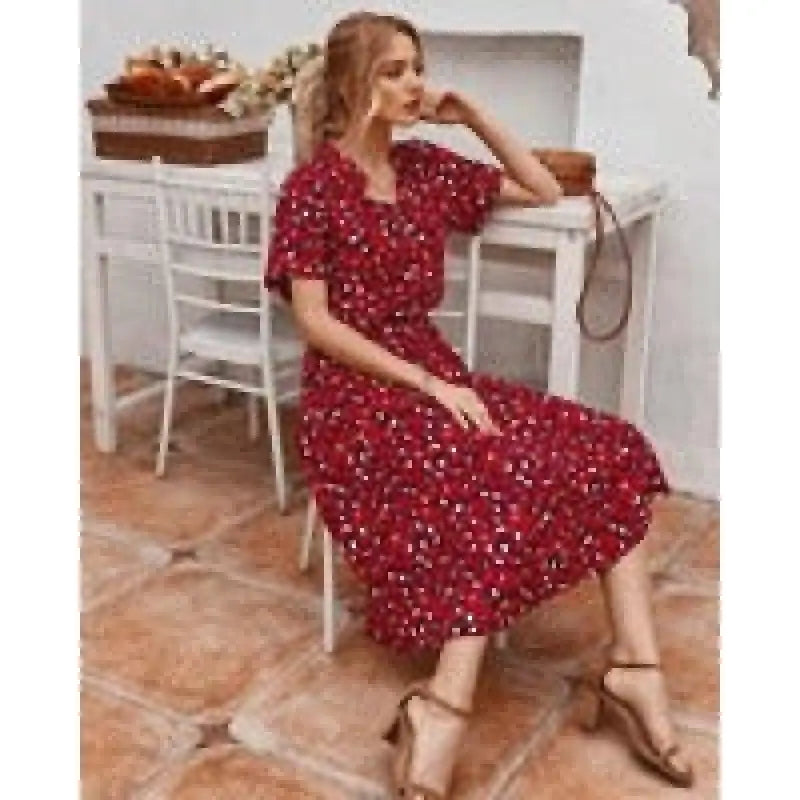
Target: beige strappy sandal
x=639, y=737
x=401, y=735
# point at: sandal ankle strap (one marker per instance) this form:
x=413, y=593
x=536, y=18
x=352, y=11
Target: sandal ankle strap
x=633, y=665
x=418, y=690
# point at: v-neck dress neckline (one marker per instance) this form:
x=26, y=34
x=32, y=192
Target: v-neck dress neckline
x=358, y=172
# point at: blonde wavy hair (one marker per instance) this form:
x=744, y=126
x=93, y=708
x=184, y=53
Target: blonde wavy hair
x=336, y=85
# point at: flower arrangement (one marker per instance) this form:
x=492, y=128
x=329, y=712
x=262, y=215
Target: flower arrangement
x=171, y=76
x=262, y=90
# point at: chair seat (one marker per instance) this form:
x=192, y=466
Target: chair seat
x=235, y=338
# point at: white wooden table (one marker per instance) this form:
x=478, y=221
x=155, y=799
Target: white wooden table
x=563, y=229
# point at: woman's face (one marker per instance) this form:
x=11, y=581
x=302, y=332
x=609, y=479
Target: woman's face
x=398, y=85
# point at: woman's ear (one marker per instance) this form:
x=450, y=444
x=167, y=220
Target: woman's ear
x=374, y=102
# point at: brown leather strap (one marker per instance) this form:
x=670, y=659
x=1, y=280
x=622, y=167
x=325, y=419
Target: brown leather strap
x=419, y=690
x=598, y=203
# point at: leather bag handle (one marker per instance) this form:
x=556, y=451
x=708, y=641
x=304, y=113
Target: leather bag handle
x=599, y=202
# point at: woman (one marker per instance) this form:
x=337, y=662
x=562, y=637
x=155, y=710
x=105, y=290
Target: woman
x=461, y=500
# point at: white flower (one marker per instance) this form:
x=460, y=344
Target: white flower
x=262, y=90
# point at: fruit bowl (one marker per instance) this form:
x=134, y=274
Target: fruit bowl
x=125, y=95
x=186, y=87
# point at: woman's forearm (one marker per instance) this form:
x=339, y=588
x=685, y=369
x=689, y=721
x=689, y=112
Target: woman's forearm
x=514, y=154
x=345, y=344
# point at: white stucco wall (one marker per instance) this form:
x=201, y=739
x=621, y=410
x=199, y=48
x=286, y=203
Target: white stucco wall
x=642, y=106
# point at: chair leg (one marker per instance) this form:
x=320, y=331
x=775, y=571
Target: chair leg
x=166, y=420
x=252, y=417
x=471, y=316
x=308, y=533
x=328, y=594
x=222, y=393
x=275, y=440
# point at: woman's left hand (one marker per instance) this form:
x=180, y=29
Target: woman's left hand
x=444, y=107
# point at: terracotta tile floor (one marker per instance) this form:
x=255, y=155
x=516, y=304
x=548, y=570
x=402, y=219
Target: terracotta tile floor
x=203, y=672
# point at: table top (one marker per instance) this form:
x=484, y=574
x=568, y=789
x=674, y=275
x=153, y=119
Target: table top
x=631, y=196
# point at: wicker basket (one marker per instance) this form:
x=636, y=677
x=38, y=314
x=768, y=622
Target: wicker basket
x=202, y=136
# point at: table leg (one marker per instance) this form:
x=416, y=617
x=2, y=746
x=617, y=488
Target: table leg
x=634, y=364
x=564, y=373
x=473, y=292
x=99, y=335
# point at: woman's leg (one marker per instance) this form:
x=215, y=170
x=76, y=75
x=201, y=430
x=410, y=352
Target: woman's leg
x=438, y=732
x=627, y=591
x=458, y=668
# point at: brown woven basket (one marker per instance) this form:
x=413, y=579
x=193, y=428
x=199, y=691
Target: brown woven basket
x=202, y=136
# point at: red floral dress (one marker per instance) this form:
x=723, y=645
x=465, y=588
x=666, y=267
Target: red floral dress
x=452, y=532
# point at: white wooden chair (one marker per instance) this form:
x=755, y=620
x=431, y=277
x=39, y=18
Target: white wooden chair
x=215, y=236
x=468, y=314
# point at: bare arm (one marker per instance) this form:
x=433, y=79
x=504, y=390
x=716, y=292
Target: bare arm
x=528, y=181
x=346, y=345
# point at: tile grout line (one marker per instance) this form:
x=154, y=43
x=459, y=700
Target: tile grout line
x=234, y=705
x=149, y=559
x=671, y=561
x=309, y=600
x=99, y=682
x=278, y=747
x=306, y=597
x=675, y=585
x=545, y=729
x=702, y=723
x=143, y=539
x=109, y=595
x=700, y=579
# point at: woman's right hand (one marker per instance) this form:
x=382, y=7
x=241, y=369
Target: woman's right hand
x=463, y=403
x=444, y=106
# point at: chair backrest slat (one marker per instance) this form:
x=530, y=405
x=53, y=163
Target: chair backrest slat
x=215, y=305
x=224, y=217
x=211, y=234
x=185, y=268
x=214, y=235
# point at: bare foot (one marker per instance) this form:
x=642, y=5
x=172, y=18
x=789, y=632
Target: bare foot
x=645, y=690
x=438, y=734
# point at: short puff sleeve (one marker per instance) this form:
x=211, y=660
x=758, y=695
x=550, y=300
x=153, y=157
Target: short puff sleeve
x=468, y=187
x=299, y=246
